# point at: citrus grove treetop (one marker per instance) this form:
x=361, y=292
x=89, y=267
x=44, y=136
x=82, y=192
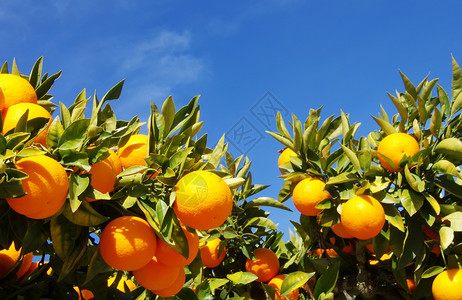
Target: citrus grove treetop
x=92, y=208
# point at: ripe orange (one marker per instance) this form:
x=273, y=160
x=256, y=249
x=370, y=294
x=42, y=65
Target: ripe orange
x=447, y=285
x=12, y=114
x=265, y=267
x=307, y=194
x=167, y=255
x=410, y=285
x=134, y=152
x=104, y=173
x=121, y=284
x=8, y=258
x=174, y=288
x=203, y=200
x=340, y=231
x=46, y=187
x=32, y=267
x=156, y=275
x=25, y=264
x=16, y=89
x=209, y=253
x=284, y=157
x=319, y=252
x=84, y=294
x=395, y=146
x=363, y=217
x=127, y=243
x=276, y=283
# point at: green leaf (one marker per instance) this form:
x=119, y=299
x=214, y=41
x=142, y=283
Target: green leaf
x=446, y=236
x=327, y=281
x=77, y=185
x=179, y=157
x=449, y=186
x=266, y=201
x=432, y=271
x=400, y=107
x=234, y=183
x=36, y=236
x=46, y=85
x=411, y=201
x=85, y=215
x=281, y=126
x=343, y=178
x=74, y=136
x=450, y=146
x=114, y=92
x=456, y=87
x=97, y=266
x=393, y=216
x=456, y=220
x=386, y=127
x=446, y=167
x=75, y=256
x=260, y=222
x=435, y=124
x=63, y=235
x=282, y=139
x=352, y=157
x=168, y=111
x=55, y=131
x=36, y=72
x=215, y=283
x=410, y=88
x=242, y=277
x=414, y=181
x=294, y=281
x=444, y=100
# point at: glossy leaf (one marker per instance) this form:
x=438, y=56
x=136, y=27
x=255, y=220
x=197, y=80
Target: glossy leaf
x=242, y=277
x=266, y=201
x=456, y=87
x=294, y=281
x=327, y=281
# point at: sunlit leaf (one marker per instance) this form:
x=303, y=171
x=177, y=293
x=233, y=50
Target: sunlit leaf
x=242, y=277
x=294, y=281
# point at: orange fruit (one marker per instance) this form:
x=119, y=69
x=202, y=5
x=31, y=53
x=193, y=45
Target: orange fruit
x=265, y=267
x=307, y=194
x=46, y=187
x=104, y=173
x=410, y=285
x=174, y=288
x=168, y=256
x=16, y=89
x=394, y=147
x=8, y=258
x=363, y=217
x=25, y=264
x=84, y=294
x=447, y=285
x=32, y=267
x=156, y=275
x=203, y=200
x=284, y=157
x=340, y=231
x=276, y=283
x=319, y=252
x=134, y=152
x=209, y=253
x=128, y=243
x=12, y=114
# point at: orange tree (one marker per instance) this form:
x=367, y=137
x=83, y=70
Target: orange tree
x=79, y=144
x=384, y=217
x=409, y=167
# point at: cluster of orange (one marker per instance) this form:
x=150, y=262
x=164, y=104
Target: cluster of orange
x=203, y=201
x=362, y=216
x=266, y=268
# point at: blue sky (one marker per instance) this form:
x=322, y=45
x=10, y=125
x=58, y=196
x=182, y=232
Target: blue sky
x=245, y=58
